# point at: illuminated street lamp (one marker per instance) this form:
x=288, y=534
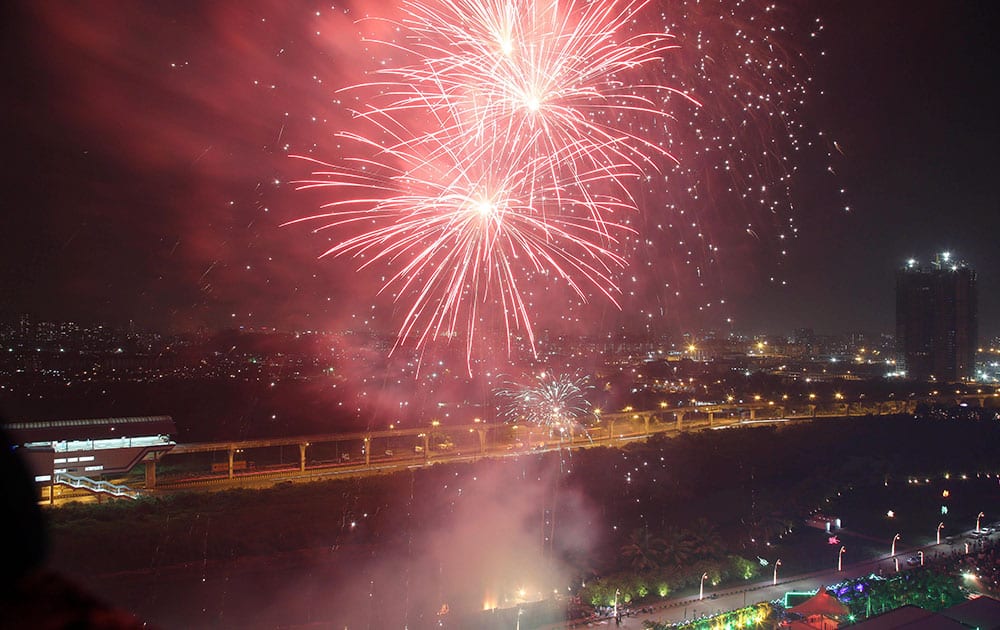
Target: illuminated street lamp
x=940, y=525
x=894, y=539
x=701, y=589
x=978, y=519
x=840, y=559
x=776, y=565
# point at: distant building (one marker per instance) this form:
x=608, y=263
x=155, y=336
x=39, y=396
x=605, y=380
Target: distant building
x=936, y=320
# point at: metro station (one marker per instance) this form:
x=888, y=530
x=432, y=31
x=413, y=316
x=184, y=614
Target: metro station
x=80, y=453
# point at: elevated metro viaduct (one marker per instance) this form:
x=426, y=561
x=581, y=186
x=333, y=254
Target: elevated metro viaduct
x=608, y=428
x=77, y=453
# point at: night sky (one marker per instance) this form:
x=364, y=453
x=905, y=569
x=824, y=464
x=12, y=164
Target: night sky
x=147, y=172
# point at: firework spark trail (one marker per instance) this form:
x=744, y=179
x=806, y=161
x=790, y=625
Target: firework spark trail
x=463, y=233
x=524, y=166
x=552, y=78
x=555, y=402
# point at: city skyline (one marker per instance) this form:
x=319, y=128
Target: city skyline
x=150, y=189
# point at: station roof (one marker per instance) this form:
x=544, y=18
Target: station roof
x=909, y=617
x=89, y=429
x=982, y=612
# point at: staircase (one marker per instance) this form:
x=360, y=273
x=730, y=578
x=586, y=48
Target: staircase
x=105, y=487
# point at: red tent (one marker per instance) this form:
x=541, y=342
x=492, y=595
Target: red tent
x=820, y=608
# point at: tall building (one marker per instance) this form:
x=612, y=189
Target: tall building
x=936, y=321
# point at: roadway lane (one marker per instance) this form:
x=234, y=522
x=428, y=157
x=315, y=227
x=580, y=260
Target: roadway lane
x=679, y=609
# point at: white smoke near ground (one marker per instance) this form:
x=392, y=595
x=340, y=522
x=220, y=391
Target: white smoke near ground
x=500, y=535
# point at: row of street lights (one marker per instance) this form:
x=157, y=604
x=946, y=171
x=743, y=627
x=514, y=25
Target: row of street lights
x=704, y=576
x=892, y=551
x=840, y=558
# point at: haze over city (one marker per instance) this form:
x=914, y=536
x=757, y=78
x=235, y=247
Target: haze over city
x=170, y=153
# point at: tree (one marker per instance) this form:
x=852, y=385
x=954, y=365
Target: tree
x=706, y=542
x=677, y=548
x=643, y=551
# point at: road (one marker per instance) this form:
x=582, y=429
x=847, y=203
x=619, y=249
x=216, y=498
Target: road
x=331, y=470
x=679, y=609
x=318, y=471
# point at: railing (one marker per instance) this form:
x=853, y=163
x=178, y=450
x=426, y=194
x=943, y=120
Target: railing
x=87, y=483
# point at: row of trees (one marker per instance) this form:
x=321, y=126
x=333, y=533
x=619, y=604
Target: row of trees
x=671, y=547
x=657, y=563
x=627, y=587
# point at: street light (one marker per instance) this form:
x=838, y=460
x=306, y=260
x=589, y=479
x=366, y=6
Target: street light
x=701, y=589
x=940, y=525
x=894, y=539
x=840, y=559
x=776, y=565
x=978, y=519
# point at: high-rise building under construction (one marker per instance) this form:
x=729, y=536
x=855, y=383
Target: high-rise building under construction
x=936, y=320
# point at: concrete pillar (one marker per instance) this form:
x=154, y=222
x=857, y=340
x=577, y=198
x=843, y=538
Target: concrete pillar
x=302, y=457
x=679, y=416
x=711, y=418
x=427, y=446
x=611, y=430
x=753, y=413
x=645, y=423
x=482, y=441
x=150, y=474
x=812, y=410
x=368, y=451
x=231, y=451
